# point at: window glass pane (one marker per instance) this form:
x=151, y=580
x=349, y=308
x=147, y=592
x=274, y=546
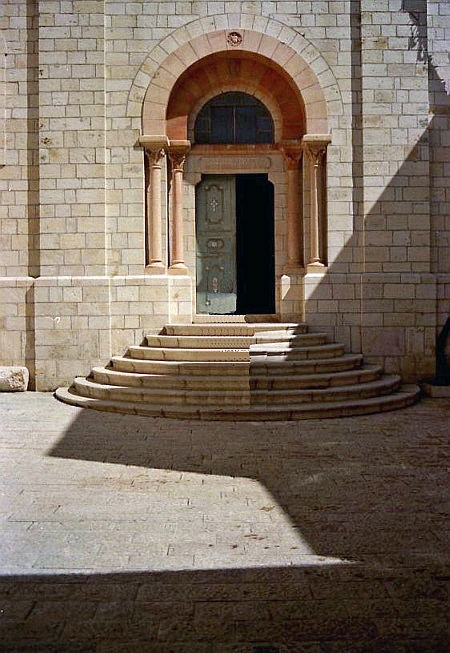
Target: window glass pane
x=234, y=118
x=221, y=125
x=245, y=125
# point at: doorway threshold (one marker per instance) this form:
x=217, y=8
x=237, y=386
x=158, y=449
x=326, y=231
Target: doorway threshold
x=206, y=318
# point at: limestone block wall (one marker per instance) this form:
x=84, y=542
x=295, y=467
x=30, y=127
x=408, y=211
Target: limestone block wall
x=72, y=184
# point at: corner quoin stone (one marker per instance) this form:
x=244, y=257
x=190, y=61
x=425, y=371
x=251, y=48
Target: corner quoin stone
x=13, y=379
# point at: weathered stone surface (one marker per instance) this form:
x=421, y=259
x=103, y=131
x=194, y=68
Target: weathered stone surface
x=13, y=378
x=135, y=534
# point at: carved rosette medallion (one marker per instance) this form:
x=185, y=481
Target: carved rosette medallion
x=234, y=39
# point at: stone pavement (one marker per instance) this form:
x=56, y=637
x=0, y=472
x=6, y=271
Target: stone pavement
x=126, y=533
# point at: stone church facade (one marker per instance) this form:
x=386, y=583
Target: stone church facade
x=115, y=191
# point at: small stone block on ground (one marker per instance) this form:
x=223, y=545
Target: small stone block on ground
x=13, y=378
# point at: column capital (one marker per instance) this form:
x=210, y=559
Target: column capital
x=177, y=153
x=155, y=147
x=315, y=145
x=292, y=152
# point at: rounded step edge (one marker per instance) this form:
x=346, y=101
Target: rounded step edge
x=325, y=380
x=383, y=386
x=312, y=352
x=188, y=355
x=86, y=387
x=232, y=329
x=90, y=387
x=267, y=366
x=110, y=376
x=292, y=340
x=200, y=342
x=188, y=368
x=404, y=397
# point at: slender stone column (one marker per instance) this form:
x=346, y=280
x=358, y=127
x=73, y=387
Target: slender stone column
x=315, y=147
x=155, y=147
x=294, y=235
x=177, y=154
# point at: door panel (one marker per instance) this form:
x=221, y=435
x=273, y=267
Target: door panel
x=216, y=244
x=235, y=244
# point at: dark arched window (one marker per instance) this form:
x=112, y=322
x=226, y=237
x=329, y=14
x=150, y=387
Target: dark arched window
x=234, y=118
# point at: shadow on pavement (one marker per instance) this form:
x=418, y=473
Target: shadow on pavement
x=371, y=491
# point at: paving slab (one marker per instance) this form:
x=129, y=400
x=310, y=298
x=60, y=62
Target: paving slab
x=127, y=533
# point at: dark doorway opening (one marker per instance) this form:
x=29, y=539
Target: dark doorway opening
x=255, y=244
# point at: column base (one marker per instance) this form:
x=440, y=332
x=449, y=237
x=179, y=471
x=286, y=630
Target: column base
x=293, y=268
x=178, y=268
x=155, y=268
x=316, y=267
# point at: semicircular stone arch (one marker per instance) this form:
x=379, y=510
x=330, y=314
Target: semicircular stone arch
x=223, y=72
x=309, y=72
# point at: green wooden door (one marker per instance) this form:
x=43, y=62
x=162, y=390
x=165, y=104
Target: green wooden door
x=216, y=244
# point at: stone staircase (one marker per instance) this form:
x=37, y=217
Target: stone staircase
x=239, y=371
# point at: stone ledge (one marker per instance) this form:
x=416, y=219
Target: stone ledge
x=13, y=378
x=436, y=391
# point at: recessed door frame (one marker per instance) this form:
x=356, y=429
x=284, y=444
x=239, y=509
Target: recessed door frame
x=235, y=245
x=237, y=160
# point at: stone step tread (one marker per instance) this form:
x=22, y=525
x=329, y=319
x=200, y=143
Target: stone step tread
x=194, y=354
x=282, y=354
x=180, y=367
x=270, y=364
x=233, y=342
x=265, y=367
x=384, y=385
x=232, y=329
x=99, y=390
x=169, y=381
x=405, y=396
x=286, y=348
x=89, y=388
x=311, y=352
x=143, y=379
x=320, y=380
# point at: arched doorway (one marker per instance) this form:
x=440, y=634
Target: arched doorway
x=288, y=166
x=234, y=214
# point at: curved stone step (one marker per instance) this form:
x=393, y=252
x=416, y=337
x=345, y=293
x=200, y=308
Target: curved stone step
x=111, y=376
x=239, y=372
x=291, y=339
x=136, y=378
x=378, y=387
x=159, y=396
x=405, y=396
x=222, y=396
x=285, y=339
x=232, y=329
x=327, y=380
x=216, y=368
x=283, y=353
x=266, y=366
x=194, y=355
x=200, y=342
x=270, y=366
